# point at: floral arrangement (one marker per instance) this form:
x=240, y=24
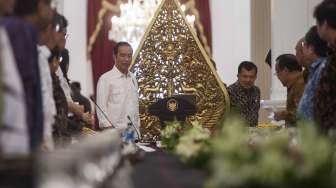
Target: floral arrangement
x=193, y=145
x=238, y=156
x=190, y=142
x=282, y=159
x=170, y=135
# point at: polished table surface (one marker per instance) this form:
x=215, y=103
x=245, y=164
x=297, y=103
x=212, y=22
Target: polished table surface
x=163, y=170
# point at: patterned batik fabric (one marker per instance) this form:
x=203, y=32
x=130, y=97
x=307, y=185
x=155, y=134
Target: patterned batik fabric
x=246, y=102
x=306, y=106
x=325, y=97
x=61, y=134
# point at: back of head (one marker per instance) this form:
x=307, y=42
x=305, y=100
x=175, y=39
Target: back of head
x=75, y=86
x=59, y=22
x=288, y=61
x=313, y=39
x=326, y=12
x=247, y=65
x=25, y=7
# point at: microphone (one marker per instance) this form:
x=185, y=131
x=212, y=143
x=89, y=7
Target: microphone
x=131, y=122
x=92, y=99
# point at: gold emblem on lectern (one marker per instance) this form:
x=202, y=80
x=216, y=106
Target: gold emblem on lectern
x=172, y=105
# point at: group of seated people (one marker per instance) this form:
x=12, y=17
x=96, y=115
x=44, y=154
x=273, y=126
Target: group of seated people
x=309, y=76
x=39, y=112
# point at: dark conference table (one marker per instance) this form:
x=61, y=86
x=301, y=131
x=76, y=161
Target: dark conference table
x=160, y=169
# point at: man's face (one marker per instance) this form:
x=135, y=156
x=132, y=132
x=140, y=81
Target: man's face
x=247, y=78
x=123, y=58
x=281, y=74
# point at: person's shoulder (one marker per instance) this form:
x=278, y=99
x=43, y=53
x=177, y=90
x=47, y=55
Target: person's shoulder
x=83, y=98
x=106, y=75
x=232, y=85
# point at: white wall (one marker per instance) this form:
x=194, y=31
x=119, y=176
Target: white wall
x=231, y=36
x=290, y=21
x=80, y=70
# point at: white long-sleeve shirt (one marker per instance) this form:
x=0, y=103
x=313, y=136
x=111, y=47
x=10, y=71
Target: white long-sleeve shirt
x=117, y=96
x=49, y=108
x=64, y=84
x=14, y=134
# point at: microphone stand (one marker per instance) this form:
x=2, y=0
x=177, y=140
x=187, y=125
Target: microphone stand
x=92, y=99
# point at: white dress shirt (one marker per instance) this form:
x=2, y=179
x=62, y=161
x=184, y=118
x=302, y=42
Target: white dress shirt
x=49, y=108
x=64, y=84
x=14, y=133
x=117, y=96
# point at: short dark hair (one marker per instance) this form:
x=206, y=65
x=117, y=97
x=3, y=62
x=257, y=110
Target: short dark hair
x=288, y=61
x=247, y=65
x=118, y=45
x=312, y=38
x=59, y=22
x=27, y=7
x=65, y=63
x=326, y=11
x=76, y=85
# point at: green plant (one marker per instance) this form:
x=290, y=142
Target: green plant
x=276, y=159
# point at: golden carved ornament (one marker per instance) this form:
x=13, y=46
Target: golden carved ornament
x=170, y=60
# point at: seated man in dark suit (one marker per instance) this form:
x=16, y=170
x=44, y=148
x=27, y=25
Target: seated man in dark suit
x=78, y=97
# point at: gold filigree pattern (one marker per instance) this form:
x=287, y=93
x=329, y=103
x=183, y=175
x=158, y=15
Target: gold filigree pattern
x=170, y=60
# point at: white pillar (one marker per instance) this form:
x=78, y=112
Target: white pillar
x=59, y=5
x=80, y=68
x=231, y=36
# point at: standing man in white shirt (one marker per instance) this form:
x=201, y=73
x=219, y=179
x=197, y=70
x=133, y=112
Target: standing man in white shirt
x=117, y=92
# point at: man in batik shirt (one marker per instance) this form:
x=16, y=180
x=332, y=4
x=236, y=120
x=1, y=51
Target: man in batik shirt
x=289, y=72
x=325, y=97
x=244, y=95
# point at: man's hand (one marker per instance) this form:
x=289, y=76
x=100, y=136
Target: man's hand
x=88, y=118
